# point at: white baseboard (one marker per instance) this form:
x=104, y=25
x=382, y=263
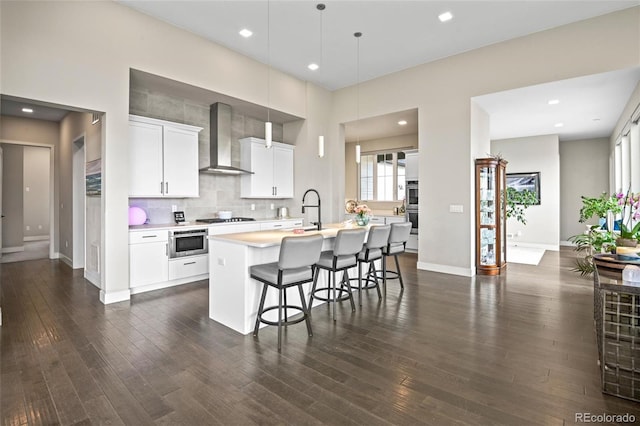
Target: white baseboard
x=552, y=247
x=445, y=269
x=12, y=249
x=567, y=244
x=114, y=296
x=93, y=277
x=66, y=260
x=166, y=284
x=36, y=238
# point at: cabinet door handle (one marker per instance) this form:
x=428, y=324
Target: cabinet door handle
x=277, y=226
x=161, y=187
x=149, y=236
x=166, y=187
x=166, y=249
x=275, y=188
x=189, y=263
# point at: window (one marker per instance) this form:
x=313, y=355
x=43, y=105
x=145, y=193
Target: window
x=382, y=176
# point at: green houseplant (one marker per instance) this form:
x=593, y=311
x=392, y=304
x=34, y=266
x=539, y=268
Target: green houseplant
x=595, y=240
x=599, y=207
x=518, y=202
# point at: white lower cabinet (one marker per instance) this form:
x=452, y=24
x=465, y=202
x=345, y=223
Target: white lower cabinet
x=234, y=228
x=188, y=267
x=412, y=242
x=148, y=258
x=281, y=224
x=377, y=220
x=395, y=219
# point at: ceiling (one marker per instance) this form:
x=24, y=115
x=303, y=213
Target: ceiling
x=589, y=107
x=287, y=34
x=397, y=35
x=13, y=107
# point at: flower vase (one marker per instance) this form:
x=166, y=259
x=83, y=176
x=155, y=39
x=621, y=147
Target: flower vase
x=362, y=220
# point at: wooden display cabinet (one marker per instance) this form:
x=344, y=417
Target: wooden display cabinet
x=491, y=221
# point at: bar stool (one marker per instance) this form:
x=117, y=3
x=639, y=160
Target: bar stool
x=372, y=251
x=348, y=244
x=295, y=266
x=396, y=245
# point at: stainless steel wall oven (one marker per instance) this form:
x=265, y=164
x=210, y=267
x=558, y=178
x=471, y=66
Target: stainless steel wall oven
x=412, y=195
x=190, y=242
x=412, y=205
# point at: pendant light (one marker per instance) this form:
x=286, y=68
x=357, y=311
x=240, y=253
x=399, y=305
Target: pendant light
x=268, y=126
x=321, y=7
x=357, y=35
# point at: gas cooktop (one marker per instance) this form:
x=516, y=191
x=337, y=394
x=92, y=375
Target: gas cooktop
x=232, y=219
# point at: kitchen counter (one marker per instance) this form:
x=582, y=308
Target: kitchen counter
x=188, y=225
x=233, y=294
x=263, y=239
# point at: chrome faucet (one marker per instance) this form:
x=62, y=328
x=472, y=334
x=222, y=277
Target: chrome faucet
x=319, y=222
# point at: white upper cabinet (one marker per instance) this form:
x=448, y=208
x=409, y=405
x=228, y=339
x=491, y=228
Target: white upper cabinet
x=411, y=171
x=163, y=158
x=272, y=169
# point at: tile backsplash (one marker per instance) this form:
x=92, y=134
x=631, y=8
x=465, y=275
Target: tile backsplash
x=217, y=192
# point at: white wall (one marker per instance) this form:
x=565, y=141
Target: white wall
x=442, y=90
x=535, y=154
x=43, y=58
x=584, y=170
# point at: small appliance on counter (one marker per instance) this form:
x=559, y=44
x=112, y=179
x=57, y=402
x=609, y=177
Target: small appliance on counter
x=225, y=214
x=282, y=213
x=178, y=217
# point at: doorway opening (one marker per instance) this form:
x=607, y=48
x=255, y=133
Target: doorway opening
x=26, y=192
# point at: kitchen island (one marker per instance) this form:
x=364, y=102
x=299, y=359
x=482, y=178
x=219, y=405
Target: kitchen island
x=233, y=294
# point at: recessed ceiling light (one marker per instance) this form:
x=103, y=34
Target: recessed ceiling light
x=313, y=67
x=29, y=110
x=558, y=125
x=402, y=122
x=554, y=102
x=245, y=33
x=446, y=16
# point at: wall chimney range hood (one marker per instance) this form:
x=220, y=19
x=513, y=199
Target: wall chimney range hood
x=220, y=142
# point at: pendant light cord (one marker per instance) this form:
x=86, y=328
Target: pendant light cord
x=268, y=60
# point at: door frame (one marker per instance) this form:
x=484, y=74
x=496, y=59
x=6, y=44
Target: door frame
x=52, y=200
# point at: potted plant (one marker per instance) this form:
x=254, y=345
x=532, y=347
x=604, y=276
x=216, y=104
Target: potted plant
x=517, y=202
x=595, y=240
x=630, y=206
x=599, y=207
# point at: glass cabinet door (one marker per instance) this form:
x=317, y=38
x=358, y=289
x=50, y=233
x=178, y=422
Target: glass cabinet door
x=487, y=196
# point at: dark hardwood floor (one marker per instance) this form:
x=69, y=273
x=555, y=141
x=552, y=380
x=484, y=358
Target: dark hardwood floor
x=517, y=349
